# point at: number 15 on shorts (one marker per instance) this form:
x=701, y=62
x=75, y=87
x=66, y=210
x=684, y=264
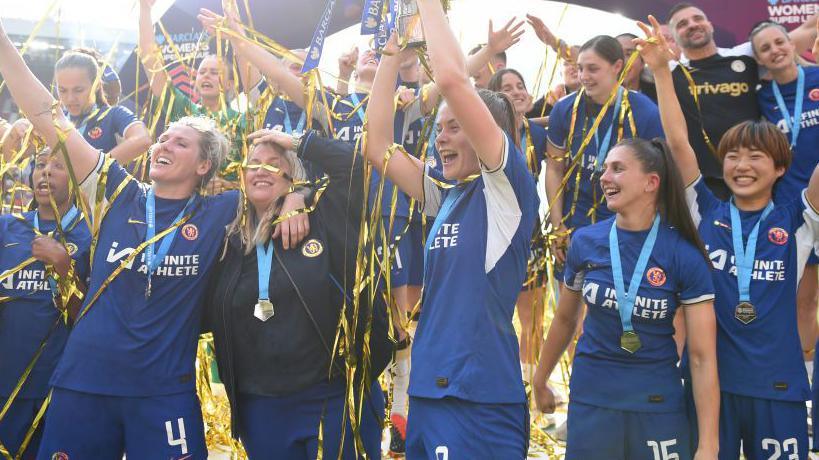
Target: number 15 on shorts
x=663, y=450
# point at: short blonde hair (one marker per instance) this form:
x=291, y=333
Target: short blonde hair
x=213, y=144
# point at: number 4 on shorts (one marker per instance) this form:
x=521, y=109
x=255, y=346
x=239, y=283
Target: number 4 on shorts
x=661, y=449
x=177, y=441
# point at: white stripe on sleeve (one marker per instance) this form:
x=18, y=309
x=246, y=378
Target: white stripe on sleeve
x=502, y=211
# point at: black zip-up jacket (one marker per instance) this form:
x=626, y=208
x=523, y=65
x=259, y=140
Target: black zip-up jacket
x=291, y=351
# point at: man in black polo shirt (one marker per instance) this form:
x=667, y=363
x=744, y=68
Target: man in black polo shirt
x=725, y=80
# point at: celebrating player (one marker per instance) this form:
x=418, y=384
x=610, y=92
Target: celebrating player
x=758, y=247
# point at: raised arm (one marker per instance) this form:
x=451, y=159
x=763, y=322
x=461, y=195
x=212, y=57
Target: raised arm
x=149, y=51
x=547, y=37
x=404, y=171
x=656, y=54
x=497, y=42
x=804, y=36
x=449, y=69
x=136, y=141
x=41, y=109
x=252, y=54
x=249, y=75
x=346, y=66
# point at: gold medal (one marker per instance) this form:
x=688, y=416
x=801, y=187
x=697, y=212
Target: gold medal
x=263, y=310
x=745, y=312
x=630, y=341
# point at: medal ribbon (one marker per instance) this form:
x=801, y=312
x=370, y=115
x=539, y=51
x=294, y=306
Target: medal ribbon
x=358, y=105
x=603, y=148
x=264, y=260
x=155, y=260
x=794, y=123
x=625, y=299
x=288, y=126
x=745, y=255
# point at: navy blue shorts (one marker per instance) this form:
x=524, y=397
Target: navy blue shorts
x=16, y=423
x=599, y=432
x=762, y=428
x=765, y=428
x=438, y=428
x=89, y=426
x=287, y=427
x=407, y=267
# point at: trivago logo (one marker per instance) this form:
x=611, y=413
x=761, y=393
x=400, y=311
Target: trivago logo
x=792, y=11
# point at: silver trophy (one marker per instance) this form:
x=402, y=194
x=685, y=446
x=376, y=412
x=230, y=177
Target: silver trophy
x=409, y=23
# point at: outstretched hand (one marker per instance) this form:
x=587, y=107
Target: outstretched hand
x=209, y=20
x=654, y=48
x=502, y=39
x=543, y=33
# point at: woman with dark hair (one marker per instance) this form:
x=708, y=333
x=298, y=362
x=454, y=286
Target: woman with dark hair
x=466, y=393
x=789, y=101
x=36, y=305
x=112, y=129
x=572, y=175
x=758, y=247
x=533, y=146
x=626, y=394
x=125, y=382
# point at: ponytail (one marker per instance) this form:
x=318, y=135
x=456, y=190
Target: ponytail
x=503, y=111
x=655, y=157
x=84, y=59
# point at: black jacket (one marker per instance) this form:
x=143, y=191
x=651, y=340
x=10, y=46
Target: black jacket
x=291, y=351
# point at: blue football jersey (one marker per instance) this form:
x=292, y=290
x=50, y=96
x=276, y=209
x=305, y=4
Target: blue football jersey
x=104, y=125
x=407, y=130
x=805, y=153
x=129, y=344
x=603, y=374
x=476, y=254
x=647, y=126
x=349, y=111
x=285, y=115
x=30, y=312
x=761, y=359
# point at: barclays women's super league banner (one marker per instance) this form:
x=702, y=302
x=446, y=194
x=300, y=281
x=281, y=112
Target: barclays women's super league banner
x=732, y=19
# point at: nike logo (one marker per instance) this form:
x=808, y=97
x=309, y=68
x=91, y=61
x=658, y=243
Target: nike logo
x=134, y=221
x=720, y=224
x=8, y=245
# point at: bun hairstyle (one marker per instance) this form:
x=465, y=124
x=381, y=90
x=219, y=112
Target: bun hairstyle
x=503, y=111
x=655, y=157
x=606, y=47
x=84, y=59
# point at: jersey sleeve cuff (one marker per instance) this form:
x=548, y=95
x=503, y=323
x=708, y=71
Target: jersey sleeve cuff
x=810, y=206
x=125, y=130
x=696, y=300
x=694, y=182
x=504, y=158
